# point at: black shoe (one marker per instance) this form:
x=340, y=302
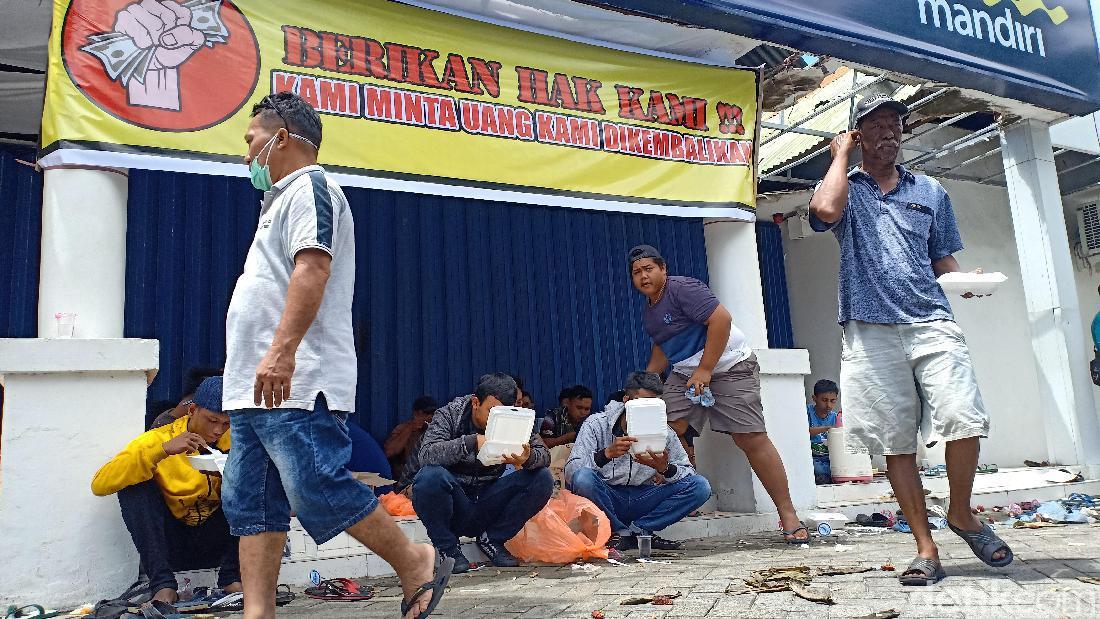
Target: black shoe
x=660, y=543
x=462, y=564
x=614, y=541
x=497, y=553
x=630, y=542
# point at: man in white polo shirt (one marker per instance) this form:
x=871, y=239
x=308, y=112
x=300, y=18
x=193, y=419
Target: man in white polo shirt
x=290, y=372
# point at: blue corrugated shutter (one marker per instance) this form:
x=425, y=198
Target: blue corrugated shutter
x=446, y=288
x=20, y=248
x=773, y=279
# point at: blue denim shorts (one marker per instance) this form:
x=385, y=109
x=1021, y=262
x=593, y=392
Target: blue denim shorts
x=291, y=458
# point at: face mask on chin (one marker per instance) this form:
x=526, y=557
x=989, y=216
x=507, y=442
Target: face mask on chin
x=261, y=174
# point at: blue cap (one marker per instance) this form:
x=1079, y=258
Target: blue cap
x=209, y=394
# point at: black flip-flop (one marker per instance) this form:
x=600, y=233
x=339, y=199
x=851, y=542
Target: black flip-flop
x=985, y=544
x=922, y=572
x=443, y=567
x=789, y=536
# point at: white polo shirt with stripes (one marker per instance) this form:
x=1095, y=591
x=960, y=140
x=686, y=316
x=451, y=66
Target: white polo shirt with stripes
x=305, y=210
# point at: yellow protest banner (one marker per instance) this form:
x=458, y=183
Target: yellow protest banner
x=405, y=93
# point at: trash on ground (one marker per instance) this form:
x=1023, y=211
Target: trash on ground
x=1092, y=580
x=585, y=567
x=661, y=599
x=813, y=594
x=887, y=567
x=843, y=570
x=642, y=560
x=597, y=614
x=1062, y=476
x=889, y=613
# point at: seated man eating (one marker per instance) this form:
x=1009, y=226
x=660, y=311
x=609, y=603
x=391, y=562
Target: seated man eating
x=173, y=512
x=640, y=493
x=455, y=494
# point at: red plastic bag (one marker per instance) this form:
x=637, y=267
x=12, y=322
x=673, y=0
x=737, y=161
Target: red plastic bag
x=397, y=504
x=569, y=528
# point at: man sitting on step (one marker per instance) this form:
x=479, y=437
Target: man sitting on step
x=455, y=494
x=641, y=493
x=172, y=510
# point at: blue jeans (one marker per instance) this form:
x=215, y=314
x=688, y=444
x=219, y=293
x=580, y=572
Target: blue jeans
x=823, y=473
x=166, y=544
x=650, y=507
x=287, y=458
x=499, y=510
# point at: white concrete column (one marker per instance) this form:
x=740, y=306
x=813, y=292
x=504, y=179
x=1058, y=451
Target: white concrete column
x=734, y=268
x=69, y=407
x=735, y=275
x=83, y=268
x=1058, y=341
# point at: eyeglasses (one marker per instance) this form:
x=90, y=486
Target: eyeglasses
x=275, y=108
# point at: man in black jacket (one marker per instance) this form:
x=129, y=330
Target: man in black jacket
x=455, y=494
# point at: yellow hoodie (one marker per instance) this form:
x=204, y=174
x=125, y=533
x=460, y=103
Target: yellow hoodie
x=191, y=495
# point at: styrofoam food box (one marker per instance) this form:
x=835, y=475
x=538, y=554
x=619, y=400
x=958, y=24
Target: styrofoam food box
x=977, y=283
x=211, y=462
x=647, y=421
x=508, y=429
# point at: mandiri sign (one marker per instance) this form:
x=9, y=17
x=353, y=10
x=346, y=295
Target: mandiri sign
x=1039, y=51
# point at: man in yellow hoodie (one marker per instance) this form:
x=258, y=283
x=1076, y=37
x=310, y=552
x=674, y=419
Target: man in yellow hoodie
x=172, y=510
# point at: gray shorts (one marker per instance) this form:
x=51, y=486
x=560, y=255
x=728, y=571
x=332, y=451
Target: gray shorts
x=896, y=379
x=737, y=408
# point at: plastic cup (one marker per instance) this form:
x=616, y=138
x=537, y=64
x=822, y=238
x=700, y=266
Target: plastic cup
x=645, y=546
x=66, y=322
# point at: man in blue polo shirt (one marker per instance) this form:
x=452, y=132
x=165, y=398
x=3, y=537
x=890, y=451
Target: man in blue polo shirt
x=905, y=364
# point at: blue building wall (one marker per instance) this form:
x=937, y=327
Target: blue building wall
x=447, y=288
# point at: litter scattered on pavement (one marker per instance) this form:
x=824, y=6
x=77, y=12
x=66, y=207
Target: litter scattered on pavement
x=640, y=560
x=1092, y=580
x=660, y=599
x=597, y=615
x=813, y=594
x=889, y=613
x=843, y=570
x=887, y=567
x=585, y=567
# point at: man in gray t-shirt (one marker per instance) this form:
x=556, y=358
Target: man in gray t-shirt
x=290, y=372
x=905, y=364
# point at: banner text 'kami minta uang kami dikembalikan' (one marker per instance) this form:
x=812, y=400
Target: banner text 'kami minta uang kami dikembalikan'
x=404, y=93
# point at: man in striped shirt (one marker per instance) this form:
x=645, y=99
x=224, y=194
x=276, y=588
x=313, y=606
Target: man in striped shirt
x=291, y=370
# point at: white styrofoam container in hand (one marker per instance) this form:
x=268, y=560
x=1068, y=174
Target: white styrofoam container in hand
x=508, y=429
x=979, y=284
x=647, y=421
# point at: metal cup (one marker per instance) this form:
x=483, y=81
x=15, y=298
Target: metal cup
x=645, y=546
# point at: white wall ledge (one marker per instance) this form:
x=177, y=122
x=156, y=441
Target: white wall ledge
x=58, y=356
x=783, y=361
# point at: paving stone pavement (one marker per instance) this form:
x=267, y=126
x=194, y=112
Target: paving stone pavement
x=1042, y=582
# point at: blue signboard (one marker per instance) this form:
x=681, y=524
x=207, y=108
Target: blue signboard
x=1039, y=51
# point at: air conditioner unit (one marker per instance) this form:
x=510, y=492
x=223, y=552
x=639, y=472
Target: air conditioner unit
x=1088, y=228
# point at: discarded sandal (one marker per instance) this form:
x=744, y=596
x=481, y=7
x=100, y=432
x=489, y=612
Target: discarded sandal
x=922, y=572
x=340, y=590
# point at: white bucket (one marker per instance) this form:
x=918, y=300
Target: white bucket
x=848, y=458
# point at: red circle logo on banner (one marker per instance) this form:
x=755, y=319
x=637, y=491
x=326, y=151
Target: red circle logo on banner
x=161, y=64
